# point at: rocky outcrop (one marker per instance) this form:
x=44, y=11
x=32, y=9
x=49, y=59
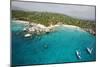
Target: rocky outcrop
x=91, y=31
x=33, y=28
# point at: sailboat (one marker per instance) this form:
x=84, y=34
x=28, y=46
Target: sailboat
x=78, y=54
x=89, y=50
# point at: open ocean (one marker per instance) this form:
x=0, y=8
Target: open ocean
x=58, y=46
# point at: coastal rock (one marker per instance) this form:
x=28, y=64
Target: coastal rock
x=37, y=28
x=90, y=31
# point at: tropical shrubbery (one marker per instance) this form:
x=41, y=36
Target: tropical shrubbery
x=47, y=18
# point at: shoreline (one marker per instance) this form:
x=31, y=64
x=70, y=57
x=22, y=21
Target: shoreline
x=43, y=26
x=21, y=21
x=38, y=28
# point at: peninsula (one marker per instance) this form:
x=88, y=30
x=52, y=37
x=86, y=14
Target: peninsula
x=44, y=21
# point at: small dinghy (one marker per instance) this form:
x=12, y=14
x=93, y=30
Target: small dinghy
x=27, y=35
x=78, y=54
x=89, y=50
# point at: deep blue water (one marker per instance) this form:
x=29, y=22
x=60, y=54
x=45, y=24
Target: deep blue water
x=55, y=47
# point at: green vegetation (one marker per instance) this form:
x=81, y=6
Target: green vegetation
x=47, y=18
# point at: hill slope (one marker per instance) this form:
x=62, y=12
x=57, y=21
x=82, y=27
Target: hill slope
x=47, y=18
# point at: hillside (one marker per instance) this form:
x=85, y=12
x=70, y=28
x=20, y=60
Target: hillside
x=47, y=18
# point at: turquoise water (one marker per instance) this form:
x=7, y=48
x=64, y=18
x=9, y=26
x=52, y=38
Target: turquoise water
x=55, y=47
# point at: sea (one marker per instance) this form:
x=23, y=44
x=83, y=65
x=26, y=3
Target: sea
x=58, y=46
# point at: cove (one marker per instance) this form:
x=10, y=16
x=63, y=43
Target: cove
x=58, y=46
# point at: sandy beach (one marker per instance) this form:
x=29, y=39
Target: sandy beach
x=20, y=21
x=41, y=26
